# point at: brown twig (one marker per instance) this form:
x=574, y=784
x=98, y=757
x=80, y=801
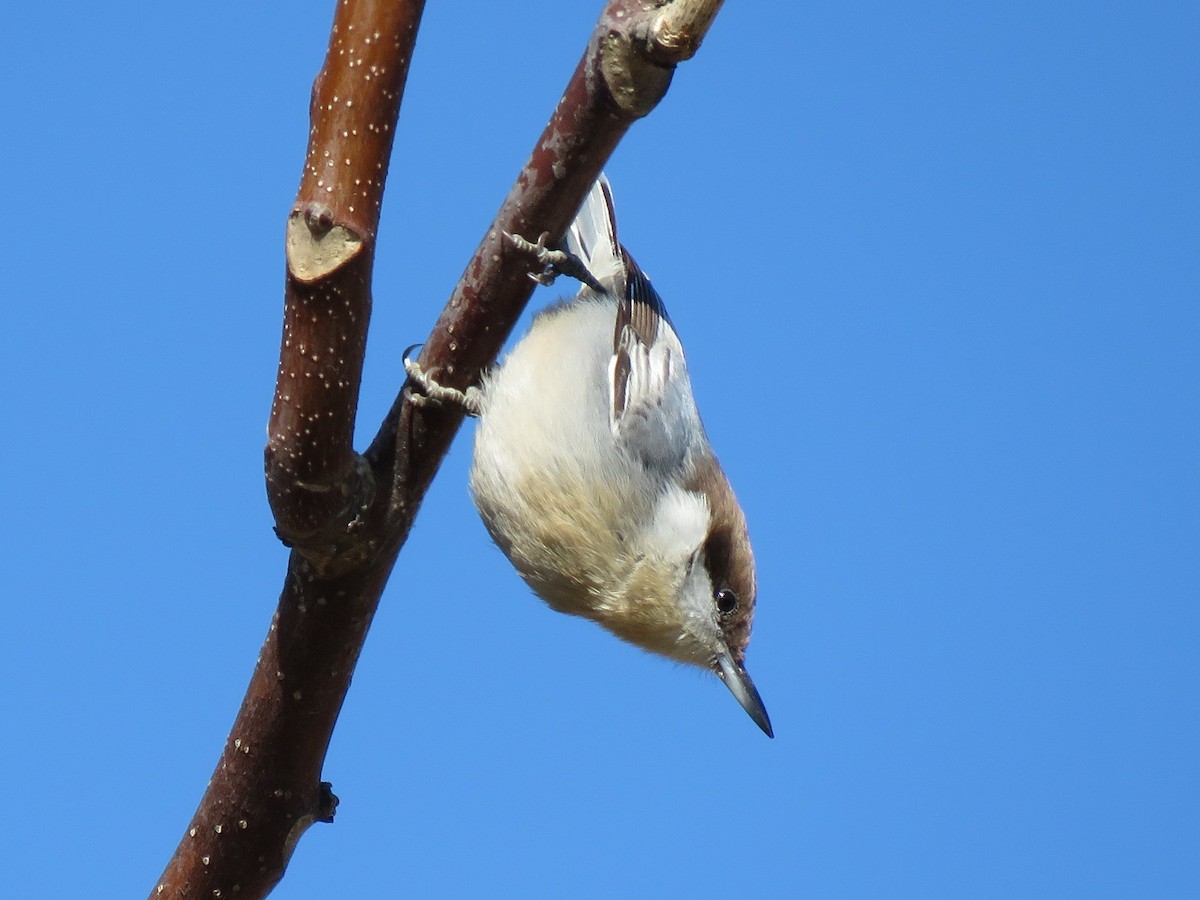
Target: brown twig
x=346, y=516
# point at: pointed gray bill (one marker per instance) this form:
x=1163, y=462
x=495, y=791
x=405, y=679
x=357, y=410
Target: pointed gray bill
x=737, y=679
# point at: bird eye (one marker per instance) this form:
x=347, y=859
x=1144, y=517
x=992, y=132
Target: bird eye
x=727, y=601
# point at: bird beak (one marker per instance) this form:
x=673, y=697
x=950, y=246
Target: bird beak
x=737, y=679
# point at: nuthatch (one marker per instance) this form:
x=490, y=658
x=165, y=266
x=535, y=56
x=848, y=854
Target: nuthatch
x=593, y=474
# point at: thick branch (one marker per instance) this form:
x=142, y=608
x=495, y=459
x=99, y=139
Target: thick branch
x=348, y=517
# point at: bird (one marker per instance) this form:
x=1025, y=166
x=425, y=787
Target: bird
x=593, y=473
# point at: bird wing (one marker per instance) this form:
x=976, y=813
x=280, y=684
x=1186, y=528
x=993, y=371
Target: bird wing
x=651, y=410
x=648, y=381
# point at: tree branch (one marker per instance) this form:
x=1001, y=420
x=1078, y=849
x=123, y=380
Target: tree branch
x=317, y=486
x=347, y=516
x=266, y=789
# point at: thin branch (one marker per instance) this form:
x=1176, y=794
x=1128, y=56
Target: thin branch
x=317, y=486
x=266, y=789
x=348, y=516
x=676, y=30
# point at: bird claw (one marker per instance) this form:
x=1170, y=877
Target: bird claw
x=430, y=393
x=553, y=262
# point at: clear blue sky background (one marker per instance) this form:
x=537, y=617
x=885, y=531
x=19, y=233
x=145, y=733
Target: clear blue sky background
x=938, y=271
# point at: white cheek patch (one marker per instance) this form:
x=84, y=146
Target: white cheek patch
x=681, y=522
x=700, y=637
x=681, y=526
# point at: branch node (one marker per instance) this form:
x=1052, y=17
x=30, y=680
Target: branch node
x=315, y=245
x=635, y=81
x=319, y=218
x=327, y=533
x=327, y=802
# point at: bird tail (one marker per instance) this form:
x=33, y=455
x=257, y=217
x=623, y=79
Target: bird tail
x=593, y=235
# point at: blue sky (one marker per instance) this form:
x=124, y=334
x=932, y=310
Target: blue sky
x=937, y=267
